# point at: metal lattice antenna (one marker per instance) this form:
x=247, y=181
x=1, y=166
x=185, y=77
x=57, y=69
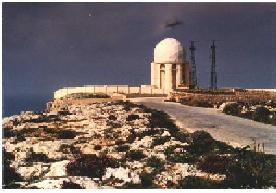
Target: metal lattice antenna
x=213, y=85
x=194, y=73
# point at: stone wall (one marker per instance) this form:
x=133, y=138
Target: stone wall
x=236, y=96
x=108, y=89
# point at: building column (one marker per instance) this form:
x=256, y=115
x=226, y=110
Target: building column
x=179, y=74
x=168, y=78
x=157, y=75
x=152, y=76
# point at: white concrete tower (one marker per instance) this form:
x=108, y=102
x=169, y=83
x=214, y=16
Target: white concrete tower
x=169, y=69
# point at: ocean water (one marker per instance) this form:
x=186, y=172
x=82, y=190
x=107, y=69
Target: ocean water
x=12, y=105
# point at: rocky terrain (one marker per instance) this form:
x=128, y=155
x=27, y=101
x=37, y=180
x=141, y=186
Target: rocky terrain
x=122, y=145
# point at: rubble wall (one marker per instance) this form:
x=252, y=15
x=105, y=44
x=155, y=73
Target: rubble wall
x=248, y=96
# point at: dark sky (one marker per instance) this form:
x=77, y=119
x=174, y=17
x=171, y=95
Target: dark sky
x=50, y=45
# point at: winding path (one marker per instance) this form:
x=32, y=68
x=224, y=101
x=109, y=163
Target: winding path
x=232, y=130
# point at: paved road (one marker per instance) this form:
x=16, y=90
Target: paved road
x=232, y=130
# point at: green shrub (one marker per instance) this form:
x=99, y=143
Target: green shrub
x=197, y=103
x=182, y=158
x=261, y=114
x=249, y=169
x=160, y=140
x=66, y=134
x=196, y=182
x=38, y=157
x=156, y=163
x=231, y=109
x=8, y=132
x=223, y=148
x=149, y=132
x=122, y=148
x=273, y=120
x=181, y=136
x=50, y=130
x=69, y=149
x=70, y=185
x=203, y=104
x=202, y=143
x=131, y=185
x=23, y=133
x=20, y=138
x=128, y=106
x=135, y=154
x=160, y=119
x=9, y=175
x=114, y=124
x=169, y=150
x=214, y=163
x=132, y=117
x=247, y=115
x=90, y=165
x=112, y=117
x=147, y=180
x=131, y=137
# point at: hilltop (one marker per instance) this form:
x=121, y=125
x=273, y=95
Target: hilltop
x=122, y=145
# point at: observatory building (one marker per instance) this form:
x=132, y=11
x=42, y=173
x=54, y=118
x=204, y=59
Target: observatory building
x=169, y=69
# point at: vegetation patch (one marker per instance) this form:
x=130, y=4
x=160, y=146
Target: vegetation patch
x=112, y=117
x=181, y=136
x=149, y=132
x=247, y=169
x=232, y=109
x=37, y=157
x=146, y=182
x=132, y=117
x=67, y=134
x=261, y=114
x=9, y=174
x=195, y=182
x=182, y=158
x=69, y=149
x=202, y=143
x=122, y=148
x=156, y=163
x=160, y=119
x=90, y=165
x=214, y=163
x=70, y=185
x=135, y=154
x=197, y=103
x=160, y=140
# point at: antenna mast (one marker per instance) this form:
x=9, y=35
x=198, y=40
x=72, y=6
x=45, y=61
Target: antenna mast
x=194, y=74
x=213, y=67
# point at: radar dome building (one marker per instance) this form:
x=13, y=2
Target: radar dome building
x=169, y=69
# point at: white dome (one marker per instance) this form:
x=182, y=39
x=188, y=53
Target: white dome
x=169, y=50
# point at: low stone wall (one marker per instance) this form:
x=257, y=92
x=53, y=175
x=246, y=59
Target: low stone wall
x=145, y=95
x=245, y=96
x=108, y=89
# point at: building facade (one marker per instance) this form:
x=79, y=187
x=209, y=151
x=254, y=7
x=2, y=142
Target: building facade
x=169, y=69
